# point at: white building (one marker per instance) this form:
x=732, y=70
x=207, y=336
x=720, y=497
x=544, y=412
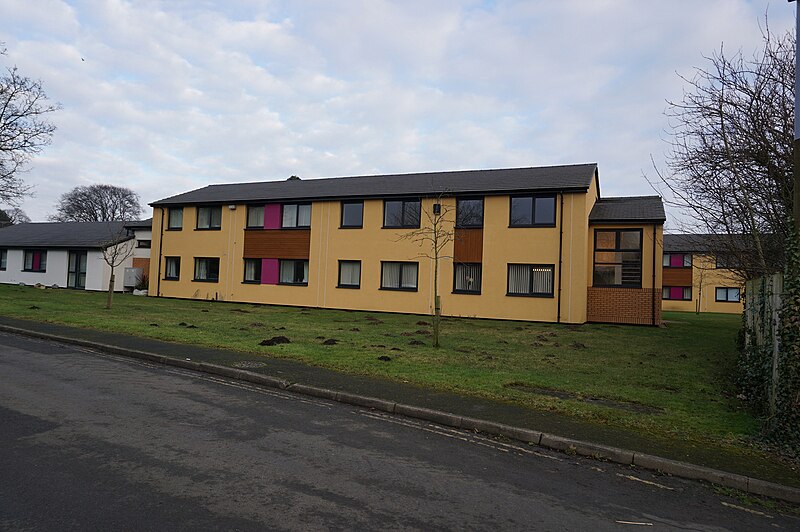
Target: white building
x=70, y=254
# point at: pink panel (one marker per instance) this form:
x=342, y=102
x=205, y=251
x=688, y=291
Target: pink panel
x=676, y=292
x=676, y=261
x=272, y=216
x=269, y=271
x=37, y=259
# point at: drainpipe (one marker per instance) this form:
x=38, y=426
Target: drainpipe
x=653, y=307
x=560, y=249
x=160, y=244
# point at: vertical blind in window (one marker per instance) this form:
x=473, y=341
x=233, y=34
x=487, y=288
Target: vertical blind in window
x=530, y=279
x=467, y=278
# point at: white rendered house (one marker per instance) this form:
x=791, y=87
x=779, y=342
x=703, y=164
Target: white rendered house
x=68, y=254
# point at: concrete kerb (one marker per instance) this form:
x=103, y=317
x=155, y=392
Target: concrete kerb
x=582, y=448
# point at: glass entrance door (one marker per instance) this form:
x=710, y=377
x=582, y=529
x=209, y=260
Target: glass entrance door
x=76, y=273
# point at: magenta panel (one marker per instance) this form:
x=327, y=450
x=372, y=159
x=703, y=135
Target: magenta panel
x=676, y=261
x=269, y=271
x=676, y=292
x=37, y=260
x=272, y=216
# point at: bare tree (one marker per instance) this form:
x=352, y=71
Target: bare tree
x=98, y=203
x=116, y=250
x=731, y=153
x=13, y=216
x=24, y=129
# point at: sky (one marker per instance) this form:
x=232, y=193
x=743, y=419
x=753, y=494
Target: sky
x=168, y=96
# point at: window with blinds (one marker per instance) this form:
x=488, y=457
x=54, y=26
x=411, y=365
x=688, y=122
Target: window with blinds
x=530, y=280
x=467, y=278
x=349, y=274
x=399, y=275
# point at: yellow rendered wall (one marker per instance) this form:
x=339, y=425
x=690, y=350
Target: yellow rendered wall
x=372, y=244
x=706, y=278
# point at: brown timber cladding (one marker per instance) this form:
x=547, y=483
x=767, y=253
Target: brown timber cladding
x=468, y=245
x=677, y=277
x=277, y=243
x=623, y=305
x=143, y=263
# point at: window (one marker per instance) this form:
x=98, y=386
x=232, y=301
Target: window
x=618, y=258
x=677, y=260
x=677, y=293
x=533, y=211
x=352, y=214
x=293, y=272
x=530, y=280
x=144, y=244
x=296, y=215
x=252, y=271
x=399, y=276
x=209, y=217
x=175, y=219
x=401, y=213
x=172, y=268
x=349, y=274
x=35, y=260
x=255, y=216
x=3, y=259
x=469, y=212
x=467, y=278
x=728, y=295
x=206, y=269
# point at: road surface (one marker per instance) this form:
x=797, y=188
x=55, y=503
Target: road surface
x=91, y=441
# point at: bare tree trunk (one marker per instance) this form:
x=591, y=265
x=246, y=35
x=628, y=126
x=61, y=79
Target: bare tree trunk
x=110, y=289
x=437, y=302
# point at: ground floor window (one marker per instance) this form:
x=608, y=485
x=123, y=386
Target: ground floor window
x=206, y=269
x=467, y=278
x=293, y=272
x=35, y=260
x=172, y=268
x=349, y=274
x=399, y=275
x=679, y=293
x=728, y=295
x=530, y=280
x=3, y=259
x=252, y=270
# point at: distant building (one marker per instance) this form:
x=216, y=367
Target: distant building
x=69, y=254
x=696, y=279
x=533, y=244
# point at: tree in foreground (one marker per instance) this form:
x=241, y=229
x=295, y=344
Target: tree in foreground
x=98, y=203
x=730, y=155
x=24, y=129
x=116, y=249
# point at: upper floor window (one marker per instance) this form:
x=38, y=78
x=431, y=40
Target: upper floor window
x=401, y=213
x=469, y=212
x=618, y=258
x=3, y=259
x=206, y=269
x=533, y=211
x=144, y=244
x=296, y=215
x=255, y=216
x=35, y=260
x=352, y=214
x=175, y=218
x=209, y=217
x=677, y=260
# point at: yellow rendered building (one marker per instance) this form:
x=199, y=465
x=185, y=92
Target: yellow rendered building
x=695, y=280
x=534, y=244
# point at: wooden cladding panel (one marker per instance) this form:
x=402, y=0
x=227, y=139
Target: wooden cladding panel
x=677, y=277
x=468, y=245
x=277, y=244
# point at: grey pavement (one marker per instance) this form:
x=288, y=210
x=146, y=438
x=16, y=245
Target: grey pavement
x=92, y=441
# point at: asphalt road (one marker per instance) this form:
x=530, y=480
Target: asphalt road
x=91, y=441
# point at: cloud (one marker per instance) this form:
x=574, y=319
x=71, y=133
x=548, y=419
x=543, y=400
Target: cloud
x=172, y=96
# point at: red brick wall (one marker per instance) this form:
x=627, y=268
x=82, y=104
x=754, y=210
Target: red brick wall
x=623, y=305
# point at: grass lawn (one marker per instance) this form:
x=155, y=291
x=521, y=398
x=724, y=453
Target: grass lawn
x=655, y=380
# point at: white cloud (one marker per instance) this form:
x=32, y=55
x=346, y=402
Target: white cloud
x=172, y=96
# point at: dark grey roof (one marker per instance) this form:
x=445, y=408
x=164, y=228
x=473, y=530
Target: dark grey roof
x=630, y=209
x=140, y=224
x=542, y=178
x=61, y=234
x=702, y=242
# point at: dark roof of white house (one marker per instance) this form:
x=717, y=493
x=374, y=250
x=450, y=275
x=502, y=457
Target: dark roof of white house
x=92, y=235
x=575, y=177
x=140, y=224
x=699, y=243
x=633, y=209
